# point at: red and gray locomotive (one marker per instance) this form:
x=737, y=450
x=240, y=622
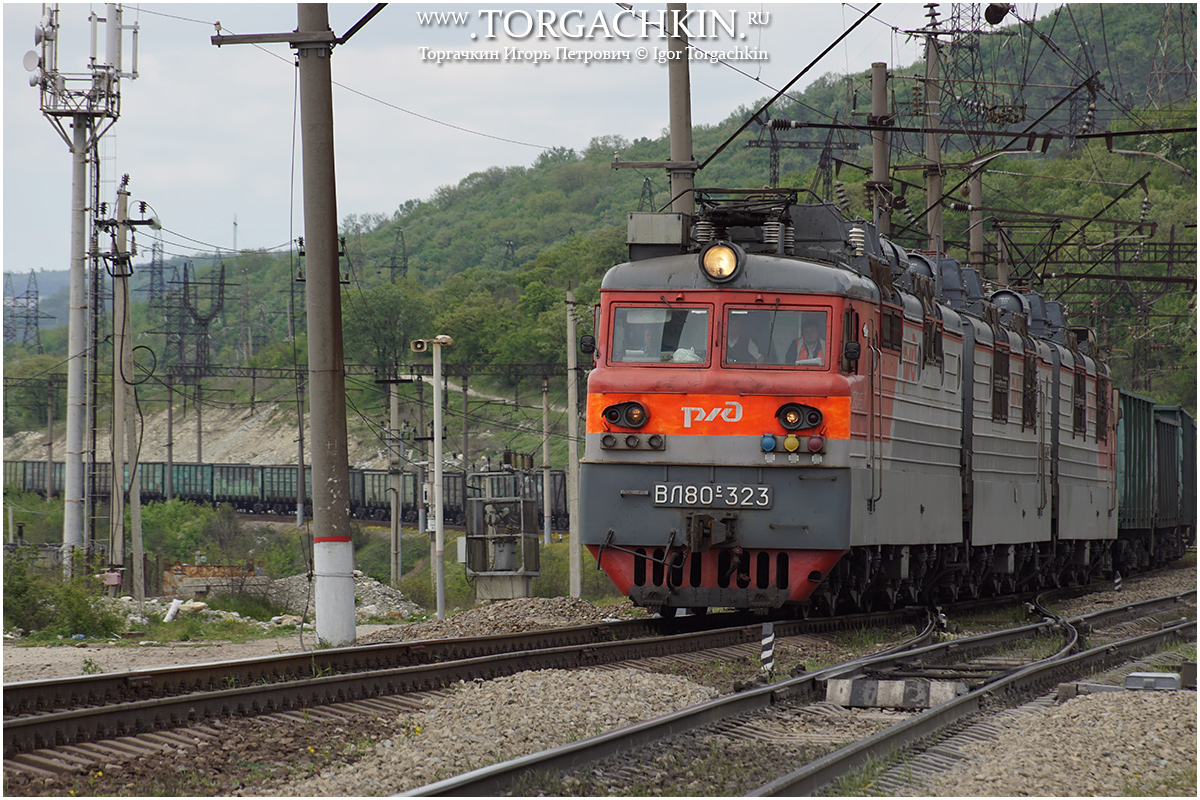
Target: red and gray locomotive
x=788, y=410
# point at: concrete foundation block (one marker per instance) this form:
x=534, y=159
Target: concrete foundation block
x=876, y=693
x=1152, y=681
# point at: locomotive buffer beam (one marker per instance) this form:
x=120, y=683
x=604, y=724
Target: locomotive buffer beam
x=608, y=545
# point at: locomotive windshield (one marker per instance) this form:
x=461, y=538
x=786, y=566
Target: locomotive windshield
x=656, y=335
x=786, y=337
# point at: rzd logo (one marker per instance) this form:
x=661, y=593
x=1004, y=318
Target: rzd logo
x=731, y=413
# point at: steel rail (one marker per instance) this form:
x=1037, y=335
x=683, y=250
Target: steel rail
x=497, y=778
x=52, y=694
x=807, y=780
x=260, y=685
x=138, y=716
x=24, y=697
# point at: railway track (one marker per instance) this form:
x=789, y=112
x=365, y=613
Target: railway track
x=990, y=679
x=42, y=717
x=47, y=731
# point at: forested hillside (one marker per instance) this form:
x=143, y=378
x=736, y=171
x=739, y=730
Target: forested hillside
x=488, y=259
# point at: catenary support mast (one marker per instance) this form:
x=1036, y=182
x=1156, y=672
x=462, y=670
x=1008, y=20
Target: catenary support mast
x=333, y=551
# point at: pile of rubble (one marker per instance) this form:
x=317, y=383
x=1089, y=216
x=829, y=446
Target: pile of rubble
x=372, y=599
x=137, y=615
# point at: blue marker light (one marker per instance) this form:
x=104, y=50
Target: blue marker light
x=768, y=443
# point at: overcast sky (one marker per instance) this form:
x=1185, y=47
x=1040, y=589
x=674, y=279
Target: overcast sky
x=206, y=133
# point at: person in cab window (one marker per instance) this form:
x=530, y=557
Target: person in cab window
x=809, y=349
x=650, y=343
x=739, y=347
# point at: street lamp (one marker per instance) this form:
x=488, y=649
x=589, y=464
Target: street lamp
x=439, y=551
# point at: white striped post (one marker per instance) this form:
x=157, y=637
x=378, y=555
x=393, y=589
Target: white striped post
x=768, y=647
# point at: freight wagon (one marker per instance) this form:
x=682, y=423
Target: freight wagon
x=257, y=489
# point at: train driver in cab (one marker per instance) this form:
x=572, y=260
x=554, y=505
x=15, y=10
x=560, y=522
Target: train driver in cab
x=740, y=348
x=809, y=349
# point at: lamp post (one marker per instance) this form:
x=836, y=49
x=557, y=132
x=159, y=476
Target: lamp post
x=435, y=494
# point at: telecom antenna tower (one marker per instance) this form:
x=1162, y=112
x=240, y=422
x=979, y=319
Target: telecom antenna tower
x=81, y=106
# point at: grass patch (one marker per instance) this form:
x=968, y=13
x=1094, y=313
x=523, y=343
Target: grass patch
x=251, y=606
x=862, y=780
x=197, y=628
x=1177, y=783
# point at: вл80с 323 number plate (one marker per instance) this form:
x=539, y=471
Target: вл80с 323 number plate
x=712, y=495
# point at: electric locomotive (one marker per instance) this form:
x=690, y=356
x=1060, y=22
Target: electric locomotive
x=787, y=409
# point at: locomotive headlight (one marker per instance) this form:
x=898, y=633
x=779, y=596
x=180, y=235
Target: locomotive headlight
x=635, y=415
x=791, y=417
x=720, y=261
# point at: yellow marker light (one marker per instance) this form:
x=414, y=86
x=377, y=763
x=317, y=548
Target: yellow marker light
x=791, y=443
x=720, y=262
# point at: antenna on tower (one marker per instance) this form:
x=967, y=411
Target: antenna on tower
x=81, y=107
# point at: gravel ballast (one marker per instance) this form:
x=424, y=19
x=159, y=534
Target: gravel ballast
x=484, y=722
x=1106, y=744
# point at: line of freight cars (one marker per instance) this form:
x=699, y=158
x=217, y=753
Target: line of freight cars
x=1156, y=467
x=253, y=489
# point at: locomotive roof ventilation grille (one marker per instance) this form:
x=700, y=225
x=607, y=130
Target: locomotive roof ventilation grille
x=772, y=221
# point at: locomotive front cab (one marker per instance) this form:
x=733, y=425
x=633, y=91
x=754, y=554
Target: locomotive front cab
x=718, y=427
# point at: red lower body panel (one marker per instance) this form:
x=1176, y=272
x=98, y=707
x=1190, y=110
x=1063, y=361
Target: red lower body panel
x=774, y=576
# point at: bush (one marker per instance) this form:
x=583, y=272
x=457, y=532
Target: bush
x=41, y=519
x=39, y=598
x=282, y=553
x=26, y=592
x=176, y=529
x=555, y=580
x=418, y=583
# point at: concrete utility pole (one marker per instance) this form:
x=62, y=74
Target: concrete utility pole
x=395, y=467
x=89, y=103
x=466, y=457
x=976, y=246
x=333, y=551
x=435, y=491
x=422, y=475
x=120, y=386
x=933, y=154
x=573, y=548
x=170, y=476
x=124, y=400
x=680, y=98
x=880, y=169
x=50, y=438
x=546, y=515
x=395, y=443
